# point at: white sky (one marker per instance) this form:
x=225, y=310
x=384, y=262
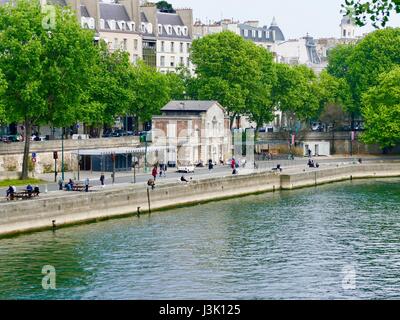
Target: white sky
x=320, y=18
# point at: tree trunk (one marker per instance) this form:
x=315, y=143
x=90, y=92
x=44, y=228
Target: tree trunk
x=25, y=163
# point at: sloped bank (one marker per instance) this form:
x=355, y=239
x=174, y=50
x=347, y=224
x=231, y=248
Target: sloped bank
x=71, y=208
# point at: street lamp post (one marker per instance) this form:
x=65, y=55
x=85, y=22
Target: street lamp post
x=62, y=154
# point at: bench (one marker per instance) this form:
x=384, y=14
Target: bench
x=79, y=187
x=24, y=195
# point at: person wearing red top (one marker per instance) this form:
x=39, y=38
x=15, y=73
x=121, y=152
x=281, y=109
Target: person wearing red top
x=154, y=173
x=233, y=163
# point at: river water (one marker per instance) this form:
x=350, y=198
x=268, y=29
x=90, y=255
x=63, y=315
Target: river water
x=338, y=241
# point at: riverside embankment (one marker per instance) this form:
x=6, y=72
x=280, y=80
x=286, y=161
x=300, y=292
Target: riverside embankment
x=62, y=208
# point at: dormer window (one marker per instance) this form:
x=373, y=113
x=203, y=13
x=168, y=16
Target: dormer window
x=84, y=23
x=160, y=29
x=102, y=24
x=131, y=25
x=143, y=27
x=91, y=23
x=121, y=25
x=185, y=31
x=111, y=24
x=169, y=29
x=149, y=28
x=178, y=30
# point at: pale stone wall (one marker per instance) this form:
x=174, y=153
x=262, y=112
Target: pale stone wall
x=11, y=154
x=68, y=207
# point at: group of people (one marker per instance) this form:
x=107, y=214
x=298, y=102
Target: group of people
x=69, y=186
x=312, y=164
x=12, y=190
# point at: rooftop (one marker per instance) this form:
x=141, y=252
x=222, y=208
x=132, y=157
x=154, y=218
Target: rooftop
x=189, y=105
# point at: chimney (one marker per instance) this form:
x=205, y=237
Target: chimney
x=133, y=9
x=93, y=8
x=150, y=11
x=187, y=19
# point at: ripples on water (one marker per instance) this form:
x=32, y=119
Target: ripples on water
x=288, y=245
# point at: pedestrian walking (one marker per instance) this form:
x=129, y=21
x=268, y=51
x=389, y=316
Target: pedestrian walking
x=87, y=181
x=210, y=165
x=60, y=183
x=154, y=172
x=164, y=170
x=102, y=178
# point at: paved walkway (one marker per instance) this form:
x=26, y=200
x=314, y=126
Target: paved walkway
x=125, y=178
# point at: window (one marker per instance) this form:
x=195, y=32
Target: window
x=260, y=34
x=188, y=47
x=246, y=33
x=135, y=44
x=162, y=46
x=111, y=24
x=172, y=46
x=185, y=31
x=125, y=44
x=188, y=62
x=182, y=61
x=159, y=29
x=162, y=61
x=116, y=43
x=181, y=47
x=172, y=61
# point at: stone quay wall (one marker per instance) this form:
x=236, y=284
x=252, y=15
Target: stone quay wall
x=65, y=208
x=11, y=155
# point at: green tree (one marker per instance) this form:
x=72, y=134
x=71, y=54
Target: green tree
x=3, y=87
x=259, y=101
x=296, y=92
x=381, y=111
x=164, y=6
x=176, y=85
x=152, y=91
x=47, y=70
x=112, y=91
x=361, y=65
x=228, y=68
x=376, y=11
x=377, y=53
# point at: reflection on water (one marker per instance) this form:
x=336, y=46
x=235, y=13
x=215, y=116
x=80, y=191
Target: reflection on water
x=297, y=244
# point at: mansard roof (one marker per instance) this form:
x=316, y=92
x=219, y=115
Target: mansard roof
x=113, y=11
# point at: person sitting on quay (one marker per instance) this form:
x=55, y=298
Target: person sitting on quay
x=29, y=188
x=36, y=190
x=10, y=193
x=151, y=183
x=183, y=179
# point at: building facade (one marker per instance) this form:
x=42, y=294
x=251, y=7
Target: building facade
x=167, y=38
x=193, y=131
x=267, y=37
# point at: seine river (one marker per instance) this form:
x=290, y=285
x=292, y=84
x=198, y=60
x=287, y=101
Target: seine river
x=338, y=241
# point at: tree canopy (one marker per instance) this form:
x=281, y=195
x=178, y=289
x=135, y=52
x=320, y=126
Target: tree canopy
x=361, y=65
x=165, y=6
x=376, y=11
x=3, y=87
x=233, y=71
x=381, y=110
x=47, y=71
